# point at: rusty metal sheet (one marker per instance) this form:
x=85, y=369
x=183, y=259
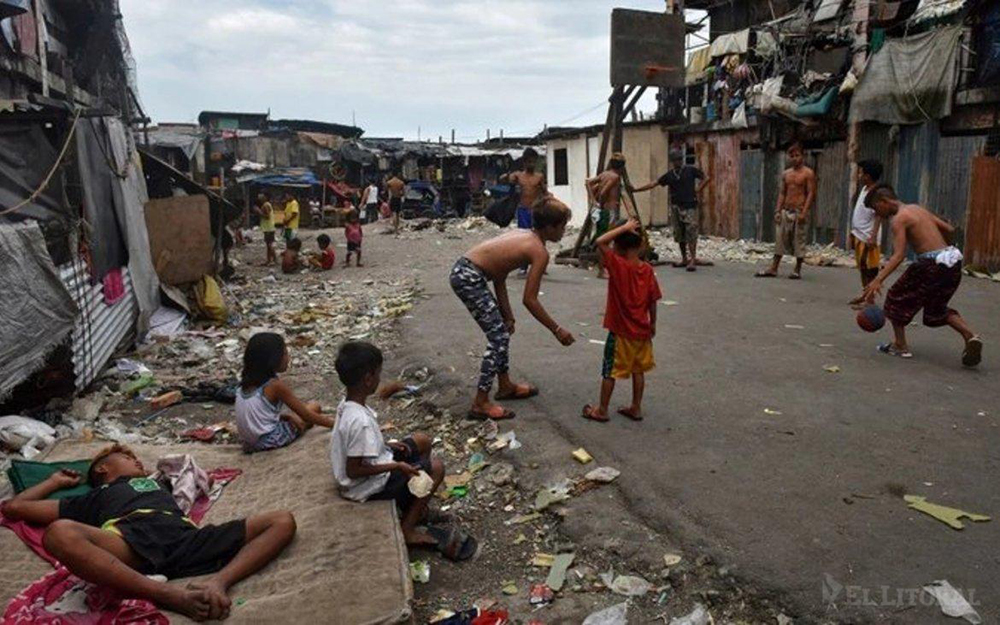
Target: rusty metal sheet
x=949, y=195
x=982, y=232
x=751, y=193
x=830, y=212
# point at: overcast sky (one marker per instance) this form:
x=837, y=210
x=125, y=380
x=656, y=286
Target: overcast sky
x=396, y=64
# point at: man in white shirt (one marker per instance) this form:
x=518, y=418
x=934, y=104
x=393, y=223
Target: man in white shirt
x=865, y=224
x=369, y=203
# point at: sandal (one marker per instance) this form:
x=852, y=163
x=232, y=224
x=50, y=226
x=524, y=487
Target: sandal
x=679, y=264
x=453, y=543
x=627, y=412
x=892, y=350
x=765, y=274
x=497, y=413
x=588, y=413
x=529, y=391
x=973, y=353
x=795, y=276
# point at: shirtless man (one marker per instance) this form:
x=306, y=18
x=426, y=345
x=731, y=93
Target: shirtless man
x=492, y=261
x=532, y=186
x=396, y=188
x=604, y=192
x=928, y=283
x=798, y=192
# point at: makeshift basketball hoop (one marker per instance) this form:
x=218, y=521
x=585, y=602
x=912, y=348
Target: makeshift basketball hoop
x=647, y=50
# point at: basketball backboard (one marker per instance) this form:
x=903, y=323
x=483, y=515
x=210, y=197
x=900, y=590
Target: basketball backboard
x=647, y=49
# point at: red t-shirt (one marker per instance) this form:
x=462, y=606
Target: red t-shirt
x=327, y=258
x=632, y=289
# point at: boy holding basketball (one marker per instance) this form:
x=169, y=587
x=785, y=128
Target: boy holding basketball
x=928, y=283
x=630, y=318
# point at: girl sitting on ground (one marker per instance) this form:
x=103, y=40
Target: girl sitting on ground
x=262, y=420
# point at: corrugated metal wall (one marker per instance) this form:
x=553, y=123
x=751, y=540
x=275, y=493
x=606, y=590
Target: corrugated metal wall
x=100, y=329
x=982, y=238
x=951, y=179
x=917, y=158
x=774, y=165
x=832, y=183
x=718, y=155
x=751, y=193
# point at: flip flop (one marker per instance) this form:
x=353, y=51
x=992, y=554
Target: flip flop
x=765, y=274
x=453, y=543
x=678, y=265
x=691, y=268
x=588, y=413
x=479, y=415
x=625, y=412
x=973, y=353
x=892, y=350
x=795, y=276
x=517, y=394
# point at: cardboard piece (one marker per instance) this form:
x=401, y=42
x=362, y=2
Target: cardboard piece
x=180, y=238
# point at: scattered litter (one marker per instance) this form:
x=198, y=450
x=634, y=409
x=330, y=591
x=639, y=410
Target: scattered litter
x=596, y=342
x=630, y=586
x=540, y=594
x=166, y=399
x=543, y=560
x=137, y=385
x=28, y=436
x=420, y=571
x=521, y=538
x=523, y=518
x=831, y=369
x=557, y=574
x=477, y=462
x=507, y=440
x=581, y=456
x=672, y=559
x=509, y=588
x=615, y=615
x=826, y=344
x=553, y=494
x=771, y=411
x=792, y=326
x=949, y=516
x=457, y=481
x=952, y=602
x=86, y=408
x=603, y=475
x=783, y=619
x=668, y=302
x=421, y=485
x=698, y=616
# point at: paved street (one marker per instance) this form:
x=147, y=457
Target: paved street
x=787, y=498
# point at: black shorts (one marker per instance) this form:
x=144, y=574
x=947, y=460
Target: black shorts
x=173, y=546
x=353, y=247
x=269, y=237
x=396, y=204
x=398, y=487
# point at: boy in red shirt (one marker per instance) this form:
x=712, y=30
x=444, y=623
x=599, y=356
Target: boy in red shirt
x=630, y=318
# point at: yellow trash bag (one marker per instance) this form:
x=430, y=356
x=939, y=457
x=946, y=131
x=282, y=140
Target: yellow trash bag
x=209, y=302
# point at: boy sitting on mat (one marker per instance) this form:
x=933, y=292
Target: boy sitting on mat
x=630, y=318
x=367, y=468
x=129, y=527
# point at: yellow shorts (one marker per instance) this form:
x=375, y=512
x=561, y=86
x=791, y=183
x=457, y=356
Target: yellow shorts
x=623, y=357
x=867, y=256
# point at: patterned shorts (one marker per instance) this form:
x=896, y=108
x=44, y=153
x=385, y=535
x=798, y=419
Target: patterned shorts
x=927, y=285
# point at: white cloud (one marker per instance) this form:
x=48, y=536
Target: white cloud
x=464, y=64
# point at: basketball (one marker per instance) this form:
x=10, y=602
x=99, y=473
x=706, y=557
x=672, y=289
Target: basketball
x=871, y=318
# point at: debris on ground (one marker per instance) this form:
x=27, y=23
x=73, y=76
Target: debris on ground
x=420, y=571
x=603, y=475
x=557, y=573
x=743, y=251
x=581, y=456
x=698, y=616
x=615, y=615
x=630, y=586
x=948, y=516
x=952, y=602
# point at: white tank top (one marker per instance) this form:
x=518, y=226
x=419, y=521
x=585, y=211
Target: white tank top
x=255, y=414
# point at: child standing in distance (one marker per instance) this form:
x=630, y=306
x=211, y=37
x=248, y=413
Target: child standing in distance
x=364, y=465
x=326, y=258
x=266, y=213
x=630, y=318
x=354, y=235
x=290, y=261
x=261, y=420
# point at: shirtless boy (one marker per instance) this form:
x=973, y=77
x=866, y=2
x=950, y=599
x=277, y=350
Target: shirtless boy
x=798, y=192
x=605, y=191
x=928, y=283
x=129, y=527
x=492, y=261
x=532, y=186
x=396, y=188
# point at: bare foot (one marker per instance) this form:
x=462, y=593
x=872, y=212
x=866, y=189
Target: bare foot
x=193, y=602
x=630, y=412
x=218, y=597
x=416, y=538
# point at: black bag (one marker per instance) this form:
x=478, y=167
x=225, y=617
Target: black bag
x=502, y=210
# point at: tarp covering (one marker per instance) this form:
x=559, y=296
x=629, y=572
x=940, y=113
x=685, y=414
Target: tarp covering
x=105, y=233
x=282, y=178
x=130, y=198
x=185, y=138
x=931, y=9
x=38, y=311
x=911, y=80
x=732, y=43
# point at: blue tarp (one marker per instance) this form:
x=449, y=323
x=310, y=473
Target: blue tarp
x=283, y=179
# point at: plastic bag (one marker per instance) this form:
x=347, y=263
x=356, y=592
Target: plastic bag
x=209, y=302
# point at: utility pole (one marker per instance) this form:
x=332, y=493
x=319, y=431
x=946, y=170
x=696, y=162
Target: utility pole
x=487, y=134
x=453, y=136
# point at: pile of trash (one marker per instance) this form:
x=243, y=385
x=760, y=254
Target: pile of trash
x=744, y=251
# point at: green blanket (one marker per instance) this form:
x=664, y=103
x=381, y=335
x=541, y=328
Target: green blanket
x=23, y=474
